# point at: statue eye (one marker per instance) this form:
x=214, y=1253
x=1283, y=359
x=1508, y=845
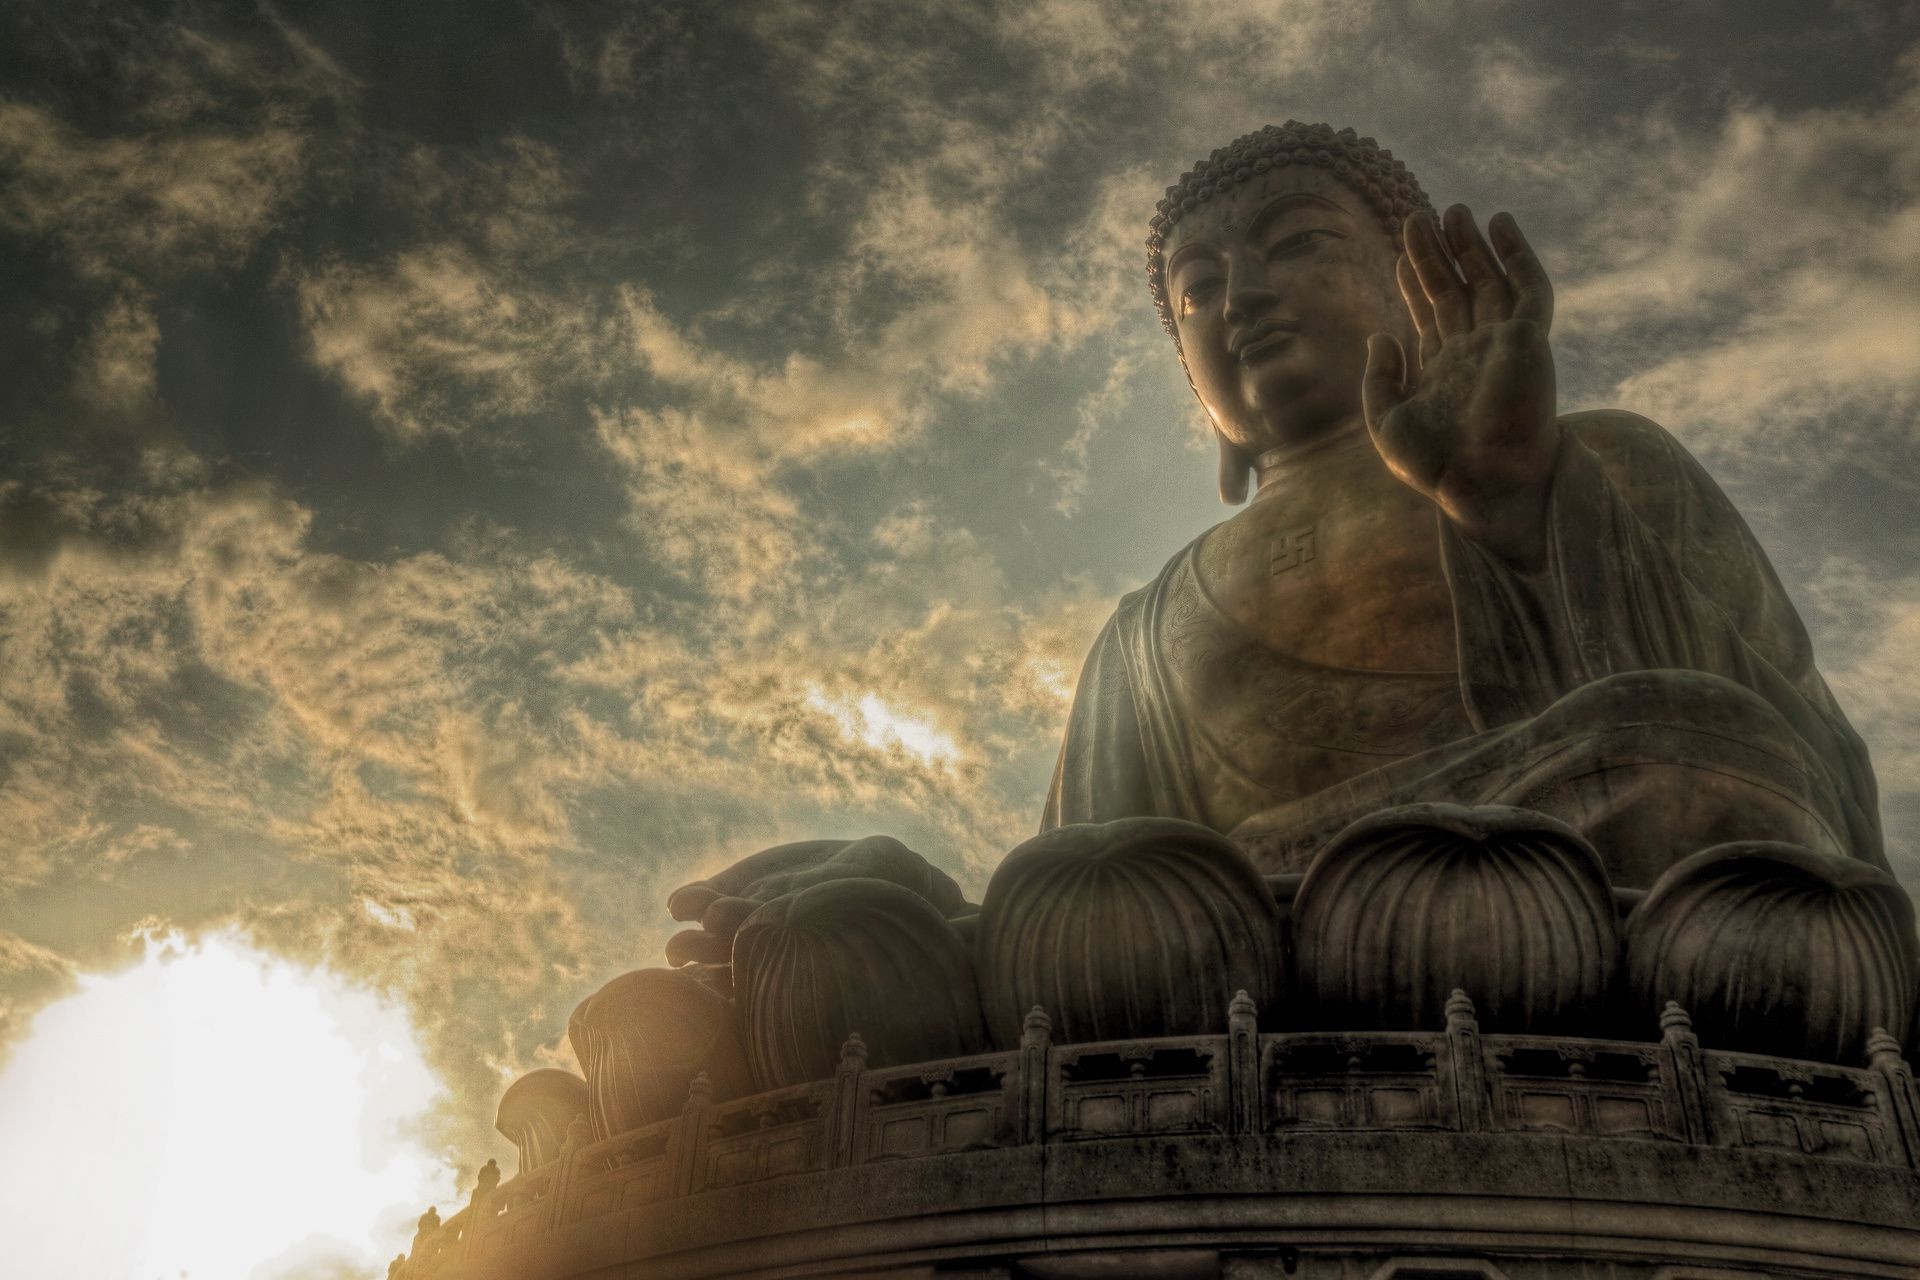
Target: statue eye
x=1196, y=293
x=1299, y=240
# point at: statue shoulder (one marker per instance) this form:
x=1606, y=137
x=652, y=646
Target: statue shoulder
x=1130, y=612
x=1679, y=499
x=1626, y=440
x=1665, y=485
x=1178, y=563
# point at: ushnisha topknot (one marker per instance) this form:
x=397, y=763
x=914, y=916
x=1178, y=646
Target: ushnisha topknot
x=1361, y=163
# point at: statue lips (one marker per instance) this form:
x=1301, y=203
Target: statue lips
x=1263, y=340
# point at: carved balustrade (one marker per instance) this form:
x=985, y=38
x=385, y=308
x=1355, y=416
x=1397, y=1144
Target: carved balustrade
x=618, y=1173
x=1120, y=1087
x=1240, y=1083
x=939, y=1107
x=769, y=1134
x=1358, y=1080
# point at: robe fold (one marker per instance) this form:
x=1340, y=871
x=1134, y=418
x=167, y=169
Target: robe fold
x=1650, y=684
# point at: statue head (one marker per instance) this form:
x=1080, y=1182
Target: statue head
x=1270, y=262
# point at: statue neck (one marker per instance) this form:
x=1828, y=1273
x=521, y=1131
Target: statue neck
x=1276, y=469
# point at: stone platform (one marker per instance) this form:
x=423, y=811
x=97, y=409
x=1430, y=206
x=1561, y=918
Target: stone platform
x=1441, y=1155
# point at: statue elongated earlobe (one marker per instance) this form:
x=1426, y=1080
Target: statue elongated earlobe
x=1234, y=466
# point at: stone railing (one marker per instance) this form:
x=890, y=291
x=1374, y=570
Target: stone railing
x=1242, y=1083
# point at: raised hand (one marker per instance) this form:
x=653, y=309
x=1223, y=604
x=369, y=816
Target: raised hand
x=1474, y=428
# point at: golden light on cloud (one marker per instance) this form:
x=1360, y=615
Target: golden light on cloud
x=872, y=720
x=213, y=1113
x=1054, y=677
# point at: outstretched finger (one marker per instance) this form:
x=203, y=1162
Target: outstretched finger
x=1486, y=282
x=1532, y=291
x=1425, y=328
x=1452, y=312
x=1384, y=384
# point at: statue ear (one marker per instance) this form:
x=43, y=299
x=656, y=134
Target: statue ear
x=1234, y=466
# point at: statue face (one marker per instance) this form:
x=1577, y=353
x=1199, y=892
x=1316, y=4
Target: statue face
x=1275, y=287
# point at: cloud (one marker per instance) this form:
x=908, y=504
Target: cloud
x=187, y=183
x=761, y=696
x=1516, y=90
x=115, y=374
x=704, y=506
x=315, y=1259
x=1868, y=624
x=1095, y=411
x=620, y=52
x=936, y=301
x=935, y=297
x=145, y=205
x=482, y=319
x=30, y=976
x=1762, y=274
x=469, y=776
x=205, y=710
x=438, y=339
x=1883, y=686
x=212, y=147
x=1085, y=44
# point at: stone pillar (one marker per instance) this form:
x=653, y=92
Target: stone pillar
x=848, y=1086
x=565, y=1164
x=1689, y=1070
x=1471, y=1102
x=1243, y=1065
x=1899, y=1100
x=691, y=1136
x=1036, y=1044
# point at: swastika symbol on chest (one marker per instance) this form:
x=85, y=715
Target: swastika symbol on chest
x=1290, y=549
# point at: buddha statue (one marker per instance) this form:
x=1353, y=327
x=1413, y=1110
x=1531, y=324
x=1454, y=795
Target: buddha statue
x=1469, y=668
x=1442, y=589
x=1460, y=668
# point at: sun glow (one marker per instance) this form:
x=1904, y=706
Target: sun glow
x=870, y=720
x=214, y=1113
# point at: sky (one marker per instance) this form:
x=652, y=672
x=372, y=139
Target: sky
x=467, y=468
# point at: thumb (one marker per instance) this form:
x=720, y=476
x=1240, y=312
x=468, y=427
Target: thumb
x=1384, y=384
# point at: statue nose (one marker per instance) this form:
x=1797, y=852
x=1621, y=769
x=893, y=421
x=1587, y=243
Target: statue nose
x=1249, y=295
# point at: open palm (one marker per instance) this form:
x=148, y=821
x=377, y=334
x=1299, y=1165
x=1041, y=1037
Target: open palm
x=1473, y=424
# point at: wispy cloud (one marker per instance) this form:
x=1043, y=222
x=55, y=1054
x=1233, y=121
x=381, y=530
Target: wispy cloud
x=29, y=976
x=1761, y=272
x=1869, y=624
x=437, y=339
x=260, y=732
x=187, y=180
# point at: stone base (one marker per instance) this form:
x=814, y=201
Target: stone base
x=1374, y=1155
x=1359, y=1206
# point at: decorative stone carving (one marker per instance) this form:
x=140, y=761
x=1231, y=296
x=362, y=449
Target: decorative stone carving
x=1508, y=905
x=722, y=902
x=1773, y=948
x=852, y=955
x=535, y=1111
x=643, y=1037
x=486, y=1182
x=1141, y=927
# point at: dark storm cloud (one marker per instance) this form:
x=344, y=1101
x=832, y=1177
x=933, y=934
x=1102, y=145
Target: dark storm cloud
x=469, y=468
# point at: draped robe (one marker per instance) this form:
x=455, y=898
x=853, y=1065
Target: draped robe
x=1650, y=684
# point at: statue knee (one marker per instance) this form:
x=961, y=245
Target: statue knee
x=1688, y=699
x=1671, y=762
